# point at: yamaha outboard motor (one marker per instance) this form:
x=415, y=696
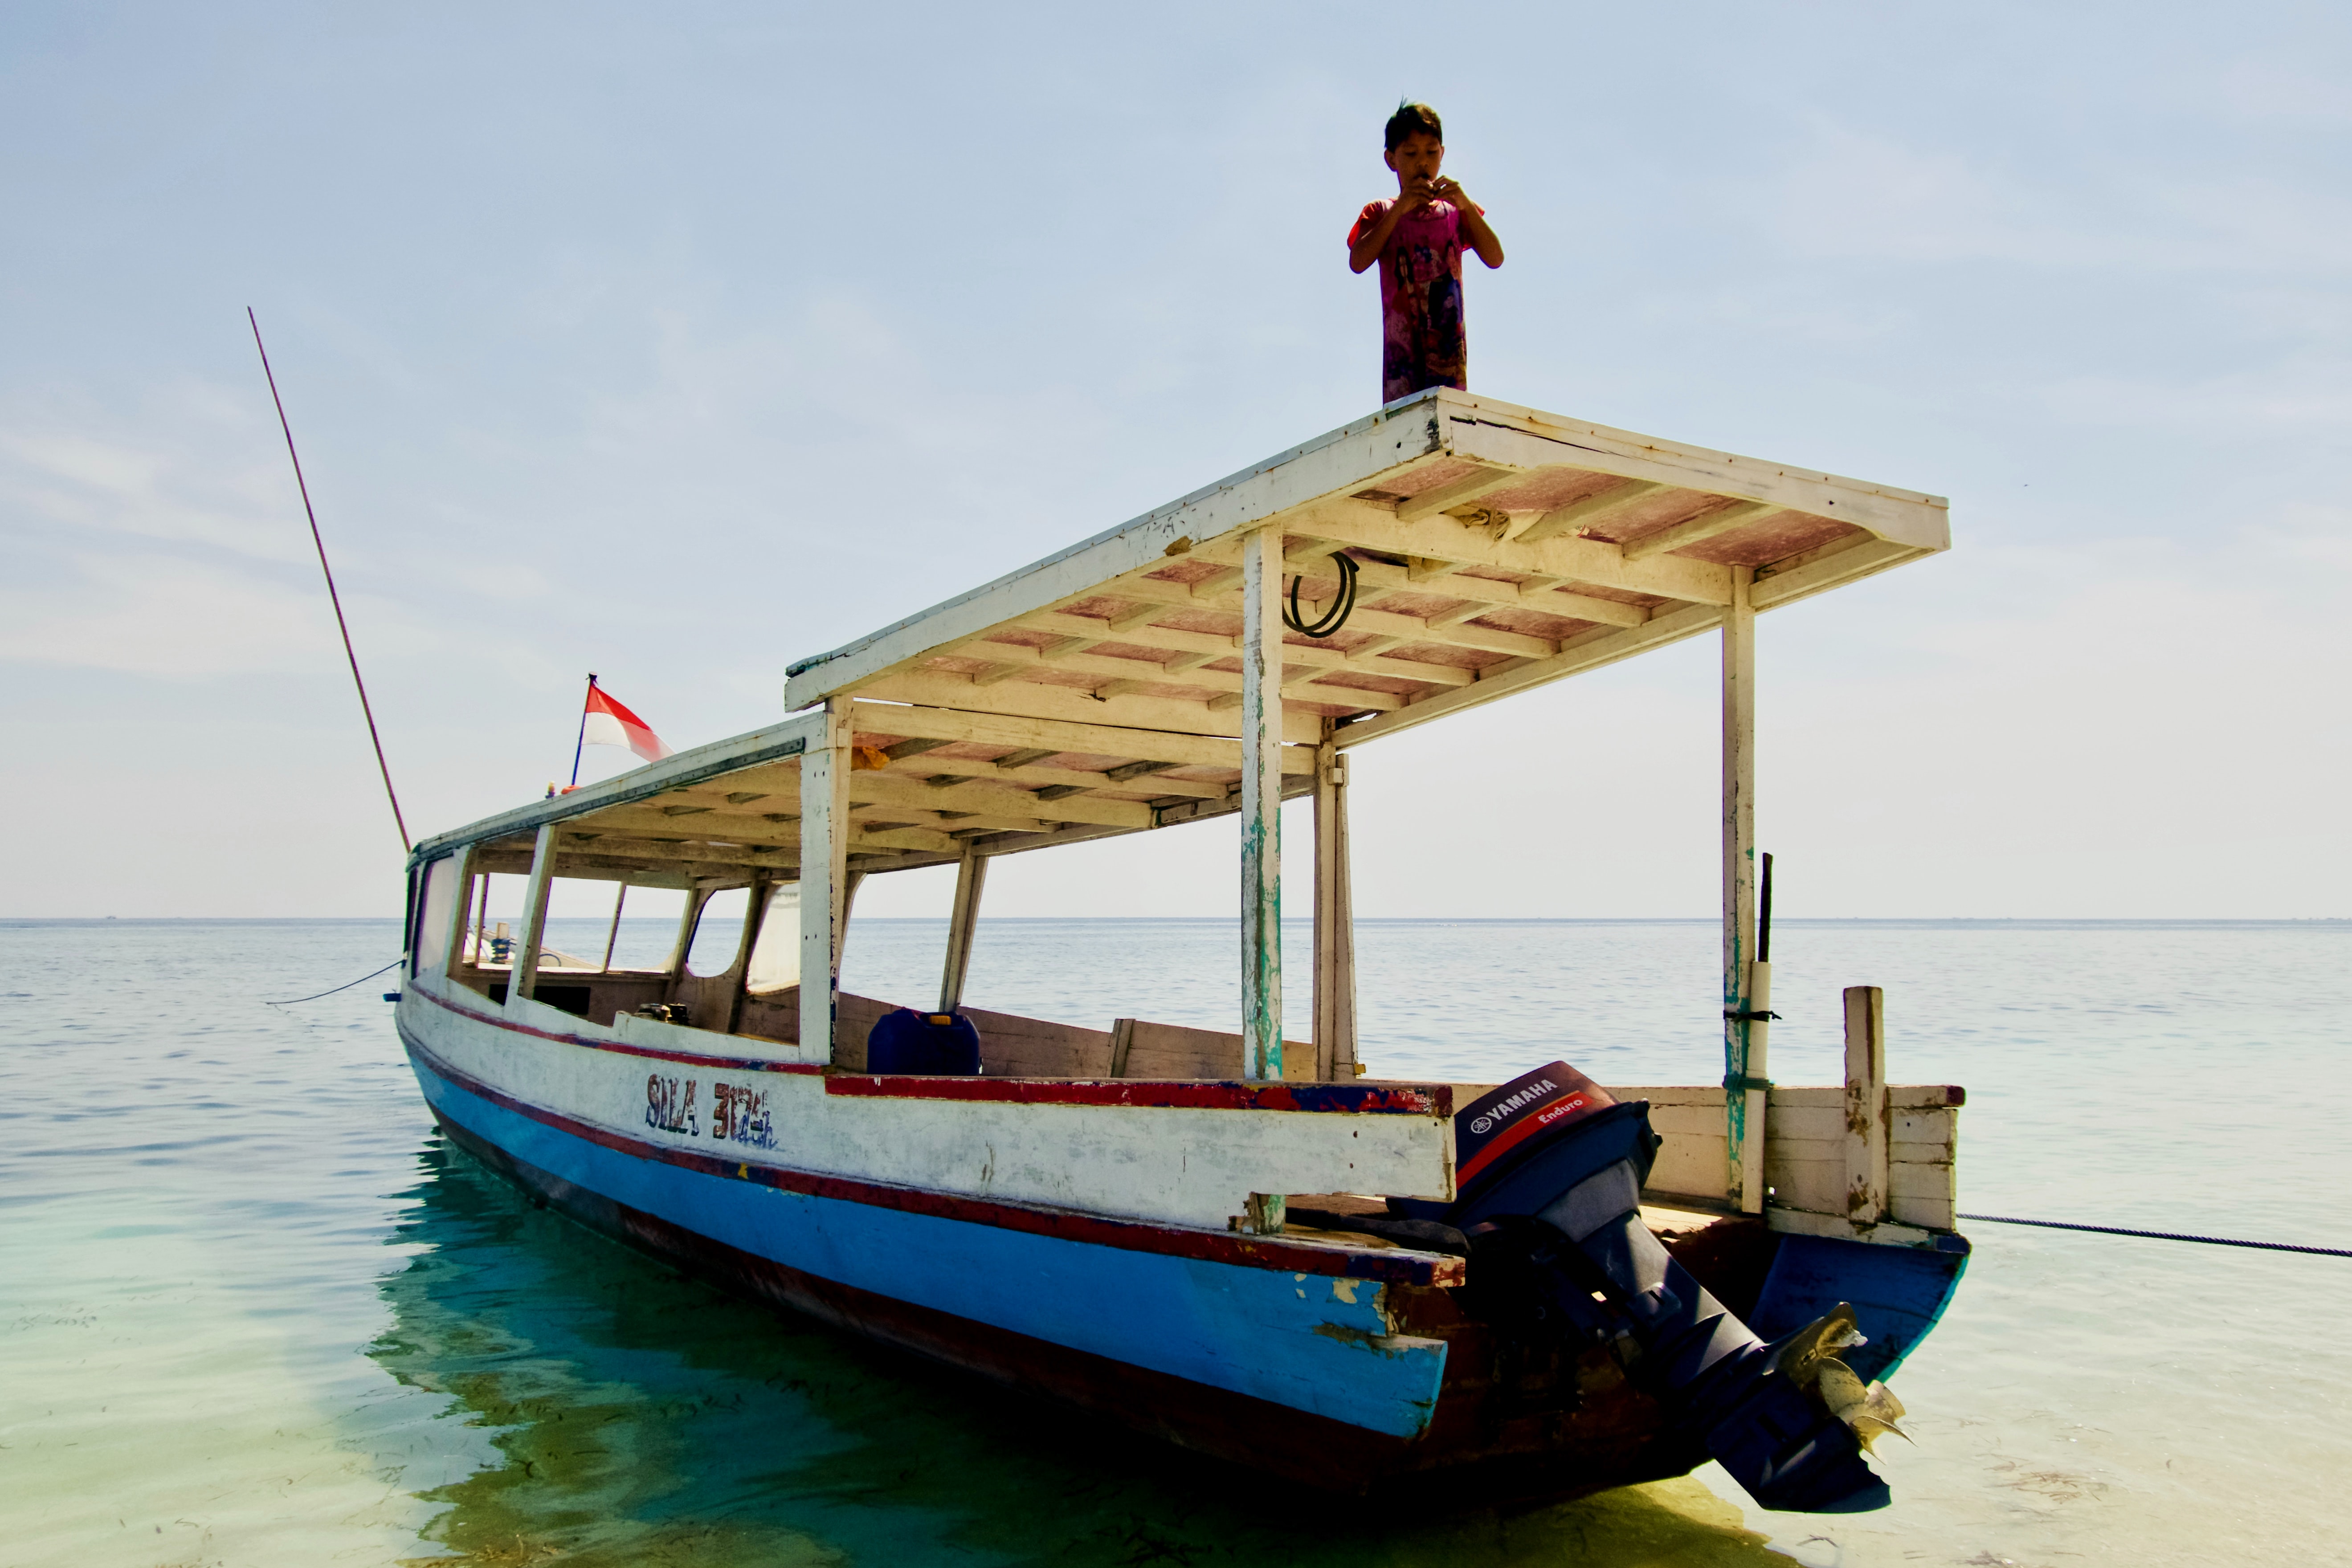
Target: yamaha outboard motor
x=1549, y=1180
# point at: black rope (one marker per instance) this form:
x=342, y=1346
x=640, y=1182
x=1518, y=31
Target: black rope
x=1343, y=605
x=345, y=986
x=2162, y=1235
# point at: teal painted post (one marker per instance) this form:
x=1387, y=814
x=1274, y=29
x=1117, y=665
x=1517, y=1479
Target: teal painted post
x=1739, y=889
x=1261, y=803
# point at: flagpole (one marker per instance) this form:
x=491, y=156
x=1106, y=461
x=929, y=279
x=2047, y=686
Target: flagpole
x=332, y=597
x=581, y=744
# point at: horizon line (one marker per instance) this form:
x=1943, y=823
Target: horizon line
x=1288, y=920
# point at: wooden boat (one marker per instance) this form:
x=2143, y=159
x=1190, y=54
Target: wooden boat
x=1205, y=1235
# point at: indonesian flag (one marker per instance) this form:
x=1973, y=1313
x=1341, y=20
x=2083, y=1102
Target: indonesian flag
x=610, y=724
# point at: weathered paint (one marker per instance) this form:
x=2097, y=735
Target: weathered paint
x=825, y=846
x=524, y=978
x=1177, y=1154
x=1335, y=920
x=1230, y=1325
x=1868, y=1107
x=1756, y=1109
x=690, y=767
x=1318, y=1258
x=1898, y=1293
x=630, y=1036
x=1739, y=871
x=1262, y=802
x=971, y=875
x=1200, y=1095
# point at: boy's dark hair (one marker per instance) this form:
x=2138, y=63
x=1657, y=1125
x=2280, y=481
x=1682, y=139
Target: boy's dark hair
x=1411, y=119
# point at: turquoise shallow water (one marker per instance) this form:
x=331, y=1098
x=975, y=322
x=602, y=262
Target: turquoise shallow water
x=253, y=1309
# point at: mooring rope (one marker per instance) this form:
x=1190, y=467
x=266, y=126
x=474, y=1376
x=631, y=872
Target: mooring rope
x=345, y=986
x=2162, y=1235
x=333, y=598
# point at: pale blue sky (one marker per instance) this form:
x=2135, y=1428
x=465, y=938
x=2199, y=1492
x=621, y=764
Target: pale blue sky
x=679, y=343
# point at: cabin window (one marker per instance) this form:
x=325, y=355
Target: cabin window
x=776, y=950
x=493, y=916
x=717, y=933
x=430, y=945
x=579, y=923
x=646, y=941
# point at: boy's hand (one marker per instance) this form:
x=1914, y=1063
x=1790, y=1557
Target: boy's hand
x=1445, y=189
x=1417, y=192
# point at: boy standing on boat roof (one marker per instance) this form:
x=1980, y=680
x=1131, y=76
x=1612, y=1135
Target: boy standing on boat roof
x=1417, y=236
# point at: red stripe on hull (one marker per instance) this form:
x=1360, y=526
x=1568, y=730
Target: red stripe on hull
x=1354, y=1099
x=1249, y=1252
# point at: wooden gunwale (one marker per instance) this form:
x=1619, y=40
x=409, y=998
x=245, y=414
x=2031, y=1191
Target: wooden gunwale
x=1397, y=1265
x=1360, y=1099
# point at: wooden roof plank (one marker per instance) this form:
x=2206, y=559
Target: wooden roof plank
x=1591, y=511
x=691, y=765
x=1028, y=699
x=1056, y=735
x=1601, y=646
x=1320, y=467
x=1489, y=430
x=1555, y=598
x=1699, y=530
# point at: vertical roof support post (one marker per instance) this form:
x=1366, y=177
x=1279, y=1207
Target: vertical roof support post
x=1743, y=1110
x=523, y=980
x=1261, y=803
x=463, y=865
x=481, y=910
x=681, y=941
x=613, y=936
x=825, y=850
x=1335, y=921
x=755, y=908
x=972, y=870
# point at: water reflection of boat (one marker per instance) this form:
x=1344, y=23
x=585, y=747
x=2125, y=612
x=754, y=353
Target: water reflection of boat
x=1233, y=1241
x=634, y=1415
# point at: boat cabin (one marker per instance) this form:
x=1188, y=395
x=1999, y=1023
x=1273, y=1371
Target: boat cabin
x=1215, y=656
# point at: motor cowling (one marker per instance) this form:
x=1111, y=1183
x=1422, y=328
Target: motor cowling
x=1549, y=1175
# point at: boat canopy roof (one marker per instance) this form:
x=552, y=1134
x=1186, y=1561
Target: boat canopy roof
x=1491, y=548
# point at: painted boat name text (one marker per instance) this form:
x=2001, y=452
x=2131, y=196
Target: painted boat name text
x=739, y=1113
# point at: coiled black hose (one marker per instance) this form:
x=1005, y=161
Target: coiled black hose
x=1342, y=606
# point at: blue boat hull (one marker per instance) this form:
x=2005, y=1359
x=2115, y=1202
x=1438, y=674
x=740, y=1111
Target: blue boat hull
x=1333, y=1383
